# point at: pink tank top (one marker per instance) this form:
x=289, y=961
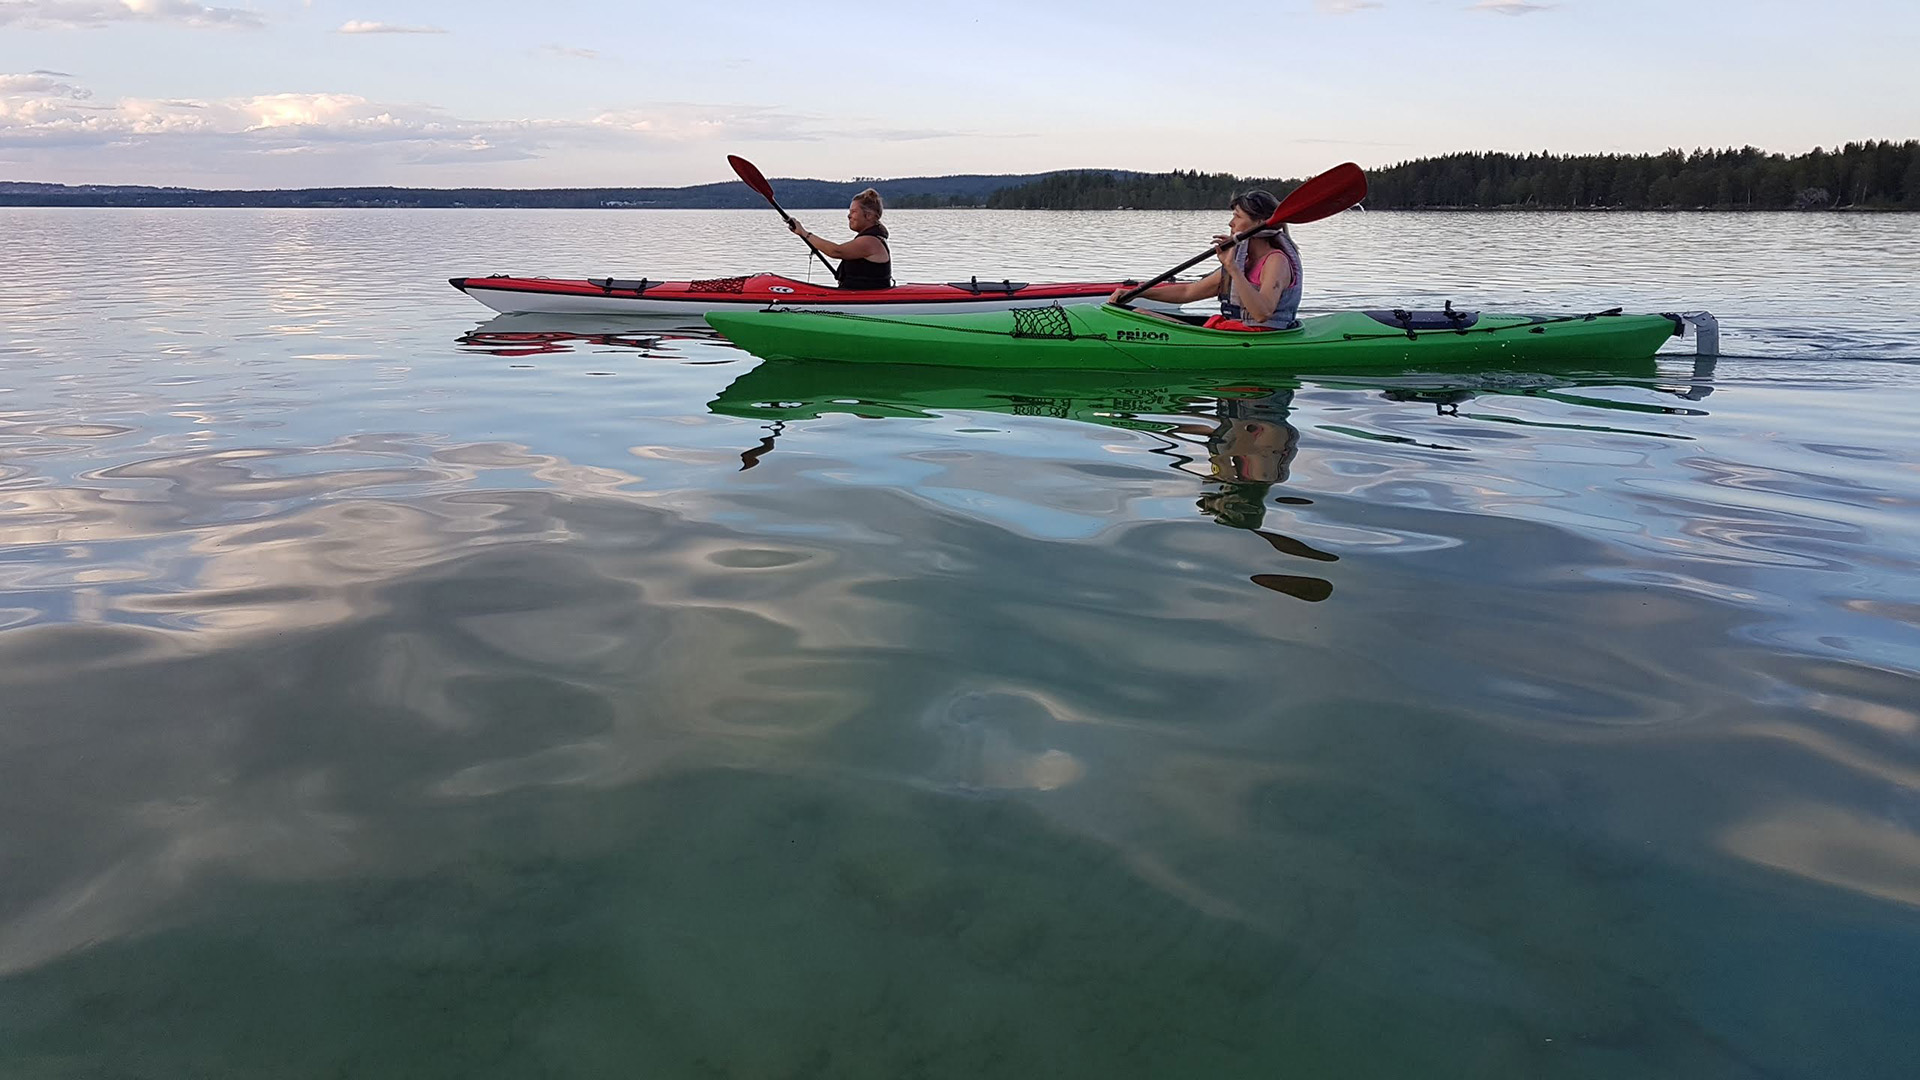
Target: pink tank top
x=1253, y=272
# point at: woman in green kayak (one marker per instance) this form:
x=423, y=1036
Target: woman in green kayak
x=865, y=261
x=1258, y=282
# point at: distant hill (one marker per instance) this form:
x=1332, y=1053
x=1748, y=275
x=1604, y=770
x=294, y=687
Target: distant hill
x=1875, y=175
x=966, y=190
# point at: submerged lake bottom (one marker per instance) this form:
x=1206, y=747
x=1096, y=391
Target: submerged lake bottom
x=394, y=691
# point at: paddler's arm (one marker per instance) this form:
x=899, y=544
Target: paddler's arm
x=1177, y=292
x=860, y=247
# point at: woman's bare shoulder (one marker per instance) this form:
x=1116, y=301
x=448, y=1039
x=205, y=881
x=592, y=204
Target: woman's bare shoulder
x=867, y=247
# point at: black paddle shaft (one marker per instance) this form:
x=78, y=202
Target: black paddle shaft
x=816, y=251
x=1134, y=293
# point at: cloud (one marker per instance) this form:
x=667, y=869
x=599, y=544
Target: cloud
x=1345, y=142
x=892, y=135
x=683, y=122
x=79, y=14
x=678, y=121
x=35, y=108
x=1344, y=7
x=476, y=149
x=359, y=26
x=570, y=53
x=1511, y=7
x=336, y=137
x=42, y=84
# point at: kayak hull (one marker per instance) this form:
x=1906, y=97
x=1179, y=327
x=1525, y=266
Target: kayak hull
x=692, y=299
x=1117, y=339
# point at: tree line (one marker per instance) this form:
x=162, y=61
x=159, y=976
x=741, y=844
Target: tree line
x=795, y=194
x=1101, y=190
x=1879, y=175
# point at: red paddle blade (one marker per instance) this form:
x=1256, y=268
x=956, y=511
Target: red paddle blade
x=757, y=182
x=1321, y=197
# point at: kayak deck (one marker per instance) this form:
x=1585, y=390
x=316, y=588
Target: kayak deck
x=645, y=296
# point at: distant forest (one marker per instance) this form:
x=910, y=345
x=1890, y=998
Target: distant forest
x=1879, y=175
x=971, y=190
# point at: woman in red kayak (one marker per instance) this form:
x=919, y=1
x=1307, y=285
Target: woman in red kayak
x=1258, y=282
x=865, y=261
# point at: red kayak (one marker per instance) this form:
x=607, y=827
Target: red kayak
x=642, y=296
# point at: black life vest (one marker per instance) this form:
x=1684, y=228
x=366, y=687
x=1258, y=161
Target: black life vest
x=866, y=273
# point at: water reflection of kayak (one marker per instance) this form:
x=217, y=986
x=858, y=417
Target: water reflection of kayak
x=534, y=333
x=1223, y=427
x=1112, y=338
x=1232, y=430
x=804, y=390
x=1141, y=400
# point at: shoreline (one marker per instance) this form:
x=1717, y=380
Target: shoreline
x=10, y=204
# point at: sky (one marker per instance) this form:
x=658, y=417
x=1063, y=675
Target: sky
x=427, y=93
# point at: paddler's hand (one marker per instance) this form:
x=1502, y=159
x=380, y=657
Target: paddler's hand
x=799, y=230
x=1120, y=292
x=1224, y=254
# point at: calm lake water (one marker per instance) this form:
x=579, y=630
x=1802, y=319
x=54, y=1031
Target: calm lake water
x=390, y=691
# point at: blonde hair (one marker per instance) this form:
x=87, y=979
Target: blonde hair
x=869, y=200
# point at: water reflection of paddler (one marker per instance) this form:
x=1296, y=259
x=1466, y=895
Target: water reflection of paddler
x=1249, y=450
x=1255, y=442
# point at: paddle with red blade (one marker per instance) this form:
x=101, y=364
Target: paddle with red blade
x=1321, y=197
x=753, y=179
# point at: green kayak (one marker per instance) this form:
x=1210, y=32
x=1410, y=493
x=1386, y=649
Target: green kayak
x=1108, y=338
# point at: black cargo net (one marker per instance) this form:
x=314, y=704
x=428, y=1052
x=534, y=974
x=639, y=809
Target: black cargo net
x=719, y=284
x=1042, y=322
